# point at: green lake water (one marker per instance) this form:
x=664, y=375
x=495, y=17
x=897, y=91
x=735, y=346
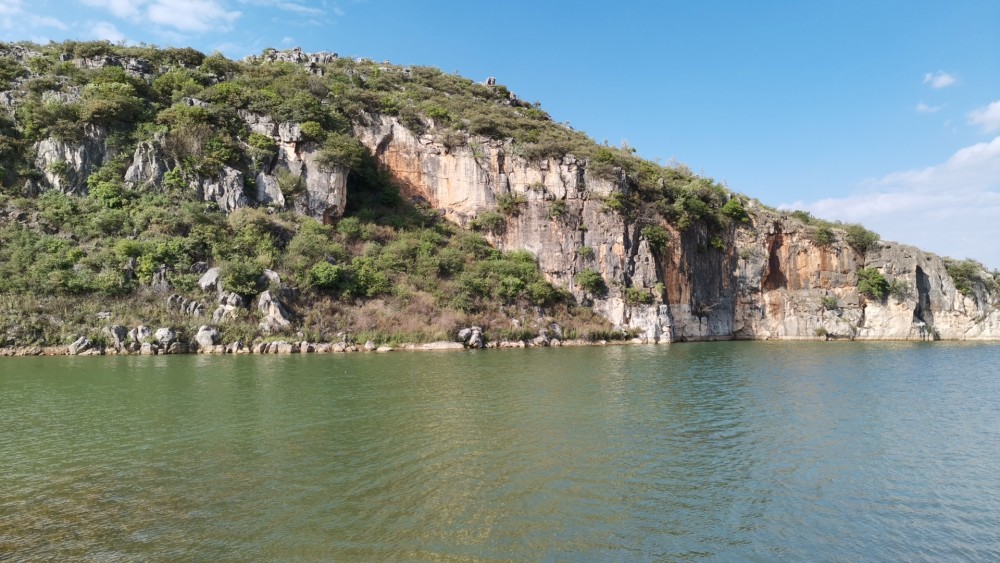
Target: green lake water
x=731, y=451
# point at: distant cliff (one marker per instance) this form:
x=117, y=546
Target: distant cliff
x=315, y=197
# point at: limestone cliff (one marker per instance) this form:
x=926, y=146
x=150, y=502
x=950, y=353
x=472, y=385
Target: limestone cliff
x=768, y=279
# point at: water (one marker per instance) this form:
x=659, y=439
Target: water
x=745, y=451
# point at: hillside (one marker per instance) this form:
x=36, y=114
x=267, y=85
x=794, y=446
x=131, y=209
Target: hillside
x=295, y=196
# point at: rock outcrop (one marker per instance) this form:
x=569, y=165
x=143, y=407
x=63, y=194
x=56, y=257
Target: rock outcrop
x=766, y=278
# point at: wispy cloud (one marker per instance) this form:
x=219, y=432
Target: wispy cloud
x=14, y=16
x=171, y=16
x=924, y=108
x=125, y=9
x=950, y=208
x=939, y=79
x=287, y=6
x=191, y=15
x=988, y=117
x=105, y=30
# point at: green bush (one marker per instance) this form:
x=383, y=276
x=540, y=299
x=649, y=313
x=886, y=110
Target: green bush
x=592, y=282
x=325, y=275
x=830, y=303
x=823, y=235
x=872, y=283
x=861, y=239
x=557, y=208
x=656, y=236
x=510, y=204
x=734, y=210
x=638, y=296
x=241, y=276
x=490, y=222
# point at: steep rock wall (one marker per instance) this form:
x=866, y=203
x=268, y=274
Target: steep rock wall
x=769, y=279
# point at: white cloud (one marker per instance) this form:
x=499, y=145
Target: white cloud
x=924, y=108
x=191, y=15
x=105, y=30
x=293, y=7
x=939, y=79
x=287, y=40
x=988, y=117
x=11, y=7
x=125, y=9
x=13, y=16
x=951, y=208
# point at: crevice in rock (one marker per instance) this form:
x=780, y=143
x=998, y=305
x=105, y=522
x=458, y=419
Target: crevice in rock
x=922, y=310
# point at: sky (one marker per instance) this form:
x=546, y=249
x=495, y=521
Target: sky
x=880, y=112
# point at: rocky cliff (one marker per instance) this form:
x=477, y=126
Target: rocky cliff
x=652, y=249
x=768, y=279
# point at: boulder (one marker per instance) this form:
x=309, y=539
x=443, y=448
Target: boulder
x=207, y=336
x=275, y=317
x=369, y=346
x=79, y=346
x=117, y=336
x=211, y=279
x=140, y=334
x=149, y=349
x=165, y=337
x=160, y=282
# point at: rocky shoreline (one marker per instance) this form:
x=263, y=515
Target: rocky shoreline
x=143, y=341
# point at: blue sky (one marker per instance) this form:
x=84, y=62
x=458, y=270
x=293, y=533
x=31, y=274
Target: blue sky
x=883, y=112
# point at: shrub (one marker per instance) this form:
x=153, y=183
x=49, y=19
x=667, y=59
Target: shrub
x=967, y=274
x=823, y=235
x=240, y=276
x=900, y=290
x=325, y=275
x=860, y=238
x=342, y=150
x=717, y=243
x=734, y=210
x=872, y=283
x=591, y=282
x=489, y=221
x=830, y=303
x=637, y=296
x=557, y=208
x=656, y=236
x=510, y=204
x=586, y=252
x=312, y=131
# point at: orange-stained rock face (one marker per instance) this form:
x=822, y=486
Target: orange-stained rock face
x=770, y=280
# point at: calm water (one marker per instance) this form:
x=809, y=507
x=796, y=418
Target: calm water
x=760, y=451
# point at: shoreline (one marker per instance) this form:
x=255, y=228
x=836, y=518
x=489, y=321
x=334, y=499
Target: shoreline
x=283, y=347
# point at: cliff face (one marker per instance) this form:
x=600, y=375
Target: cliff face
x=767, y=280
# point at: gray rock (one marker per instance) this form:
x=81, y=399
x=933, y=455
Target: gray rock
x=211, y=279
x=369, y=346
x=226, y=190
x=149, y=349
x=160, y=282
x=140, y=333
x=117, y=336
x=65, y=165
x=148, y=165
x=165, y=336
x=275, y=317
x=78, y=346
x=207, y=336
